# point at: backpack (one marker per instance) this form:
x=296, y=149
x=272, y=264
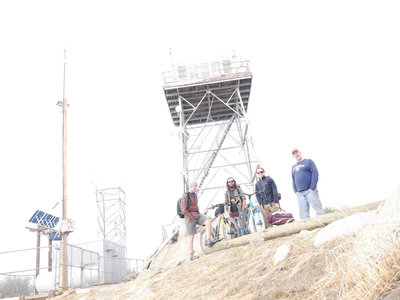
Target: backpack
x=178, y=207
x=279, y=218
x=220, y=209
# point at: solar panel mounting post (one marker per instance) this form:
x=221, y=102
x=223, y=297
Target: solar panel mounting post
x=37, y=256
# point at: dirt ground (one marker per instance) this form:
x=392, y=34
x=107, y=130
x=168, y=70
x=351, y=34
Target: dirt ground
x=363, y=265
x=245, y=272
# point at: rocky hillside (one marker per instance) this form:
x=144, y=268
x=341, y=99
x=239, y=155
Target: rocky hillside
x=356, y=257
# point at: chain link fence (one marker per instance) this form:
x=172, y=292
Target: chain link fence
x=42, y=272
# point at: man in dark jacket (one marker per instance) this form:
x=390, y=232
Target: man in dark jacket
x=266, y=192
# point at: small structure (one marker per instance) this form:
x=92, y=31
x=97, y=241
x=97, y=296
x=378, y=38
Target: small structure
x=112, y=221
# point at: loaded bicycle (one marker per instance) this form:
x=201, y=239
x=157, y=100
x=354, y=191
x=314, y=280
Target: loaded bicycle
x=252, y=218
x=221, y=227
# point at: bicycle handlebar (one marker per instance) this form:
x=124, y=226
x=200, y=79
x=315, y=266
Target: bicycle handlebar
x=211, y=207
x=240, y=196
x=249, y=195
x=236, y=201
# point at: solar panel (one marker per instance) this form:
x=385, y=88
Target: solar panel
x=36, y=217
x=55, y=236
x=43, y=219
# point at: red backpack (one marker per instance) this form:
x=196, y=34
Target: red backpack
x=278, y=218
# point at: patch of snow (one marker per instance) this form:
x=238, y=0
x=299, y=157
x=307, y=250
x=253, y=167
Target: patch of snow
x=383, y=231
x=345, y=226
x=143, y=292
x=257, y=241
x=83, y=291
x=305, y=233
x=281, y=253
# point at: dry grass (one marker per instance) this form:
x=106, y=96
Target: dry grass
x=341, y=269
x=244, y=272
x=366, y=265
x=356, y=273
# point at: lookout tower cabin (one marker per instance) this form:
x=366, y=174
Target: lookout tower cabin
x=208, y=102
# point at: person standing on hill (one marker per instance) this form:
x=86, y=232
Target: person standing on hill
x=266, y=192
x=235, y=201
x=190, y=209
x=305, y=179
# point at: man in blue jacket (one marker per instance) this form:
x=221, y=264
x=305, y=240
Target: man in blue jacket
x=305, y=179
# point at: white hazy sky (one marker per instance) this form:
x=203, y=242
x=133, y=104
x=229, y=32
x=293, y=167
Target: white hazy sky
x=326, y=80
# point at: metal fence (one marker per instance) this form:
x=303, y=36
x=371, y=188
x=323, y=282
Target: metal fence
x=85, y=268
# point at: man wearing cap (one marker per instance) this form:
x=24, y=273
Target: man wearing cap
x=266, y=192
x=190, y=209
x=305, y=179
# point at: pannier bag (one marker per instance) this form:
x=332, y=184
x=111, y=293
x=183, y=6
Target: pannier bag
x=220, y=209
x=279, y=218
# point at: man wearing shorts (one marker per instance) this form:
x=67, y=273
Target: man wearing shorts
x=190, y=209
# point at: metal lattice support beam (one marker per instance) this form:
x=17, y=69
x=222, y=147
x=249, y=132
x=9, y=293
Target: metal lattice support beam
x=112, y=220
x=210, y=111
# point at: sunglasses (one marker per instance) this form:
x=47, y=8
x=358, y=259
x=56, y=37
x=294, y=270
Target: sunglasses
x=230, y=181
x=260, y=172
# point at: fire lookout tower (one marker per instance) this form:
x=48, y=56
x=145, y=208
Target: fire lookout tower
x=208, y=102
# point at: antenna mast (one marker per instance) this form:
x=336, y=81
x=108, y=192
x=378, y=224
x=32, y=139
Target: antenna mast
x=64, y=256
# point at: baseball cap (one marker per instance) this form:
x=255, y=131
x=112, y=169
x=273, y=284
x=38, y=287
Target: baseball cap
x=295, y=150
x=260, y=168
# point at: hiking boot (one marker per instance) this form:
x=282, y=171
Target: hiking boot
x=193, y=257
x=209, y=243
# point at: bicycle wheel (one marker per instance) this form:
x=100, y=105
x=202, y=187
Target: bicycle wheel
x=241, y=222
x=258, y=220
x=203, y=238
x=230, y=229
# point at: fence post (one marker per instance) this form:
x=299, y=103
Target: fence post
x=91, y=266
x=82, y=267
x=59, y=269
x=37, y=257
x=98, y=269
x=70, y=283
x=54, y=254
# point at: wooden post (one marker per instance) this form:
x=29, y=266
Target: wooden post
x=37, y=256
x=49, y=258
x=64, y=254
x=293, y=228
